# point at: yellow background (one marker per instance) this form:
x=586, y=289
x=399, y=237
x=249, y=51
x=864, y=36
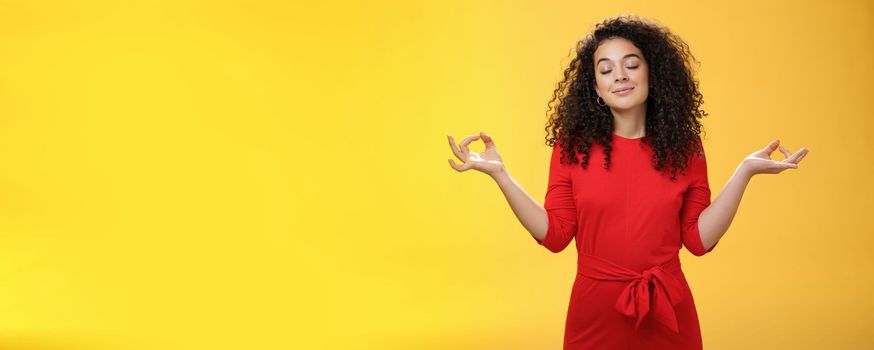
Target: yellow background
x=273, y=174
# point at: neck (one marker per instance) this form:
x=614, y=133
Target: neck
x=630, y=123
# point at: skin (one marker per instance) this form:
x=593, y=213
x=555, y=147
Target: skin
x=629, y=113
x=620, y=64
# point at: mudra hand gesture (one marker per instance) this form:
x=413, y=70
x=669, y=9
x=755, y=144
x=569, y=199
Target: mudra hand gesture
x=489, y=161
x=760, y=162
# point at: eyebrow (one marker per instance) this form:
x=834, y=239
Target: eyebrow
x=623, y=57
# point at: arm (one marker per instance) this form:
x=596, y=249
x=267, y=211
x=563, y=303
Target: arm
x=553, y=224
x=716, y=218
x=530, y=213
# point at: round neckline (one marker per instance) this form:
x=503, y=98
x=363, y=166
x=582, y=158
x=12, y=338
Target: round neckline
x=616, y=136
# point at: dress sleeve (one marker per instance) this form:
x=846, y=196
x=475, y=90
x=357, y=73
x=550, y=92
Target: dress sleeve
x=695, y=200
x=559, y=204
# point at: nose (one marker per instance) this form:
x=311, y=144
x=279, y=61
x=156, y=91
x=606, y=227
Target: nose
x=621, y=75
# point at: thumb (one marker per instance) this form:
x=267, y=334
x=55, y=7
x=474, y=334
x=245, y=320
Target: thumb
x=772, y=146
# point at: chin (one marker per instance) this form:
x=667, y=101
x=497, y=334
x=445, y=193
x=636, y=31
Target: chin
x=625, y=106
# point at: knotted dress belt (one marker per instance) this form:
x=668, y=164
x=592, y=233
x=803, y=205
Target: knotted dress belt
x=656, y=290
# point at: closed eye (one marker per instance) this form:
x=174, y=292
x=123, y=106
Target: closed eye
x=608, y=71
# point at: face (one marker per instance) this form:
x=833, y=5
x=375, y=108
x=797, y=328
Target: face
x=620, y=65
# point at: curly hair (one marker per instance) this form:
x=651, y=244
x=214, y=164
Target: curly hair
x=673, y=131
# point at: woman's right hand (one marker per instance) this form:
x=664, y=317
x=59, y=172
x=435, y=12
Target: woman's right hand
x=489, y=161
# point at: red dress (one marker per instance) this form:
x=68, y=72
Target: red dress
x=630, y=222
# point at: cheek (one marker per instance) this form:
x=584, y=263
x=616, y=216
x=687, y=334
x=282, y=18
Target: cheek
x=642, y=76
x=603, y=83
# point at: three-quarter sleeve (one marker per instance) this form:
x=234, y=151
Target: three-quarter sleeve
x=559, y=204
x=695, y=199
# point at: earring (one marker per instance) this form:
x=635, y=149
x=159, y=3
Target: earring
x=600, y=101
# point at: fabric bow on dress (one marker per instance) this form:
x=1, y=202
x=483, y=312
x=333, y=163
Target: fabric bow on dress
x=654, y=291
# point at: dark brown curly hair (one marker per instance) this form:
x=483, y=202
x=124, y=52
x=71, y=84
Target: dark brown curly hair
x=673, y=104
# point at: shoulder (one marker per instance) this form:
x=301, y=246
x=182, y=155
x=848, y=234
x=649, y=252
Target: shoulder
x=697, y=161
x=559, y=151
x=696, y=149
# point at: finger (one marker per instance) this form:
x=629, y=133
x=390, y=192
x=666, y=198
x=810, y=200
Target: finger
x=457, y=167
x=794, y=157
x=771, y=147
x=801, y=156
x=797, y=156
x=776, y=170
x=490, y=144
x=785, y=152
x=781, y=165
x=466, y=141
x=455, y=149
x=454, y=166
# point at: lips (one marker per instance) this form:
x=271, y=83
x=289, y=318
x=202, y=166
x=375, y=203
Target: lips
x=623, y=89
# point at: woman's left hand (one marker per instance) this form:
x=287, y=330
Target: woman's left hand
x=760, y=162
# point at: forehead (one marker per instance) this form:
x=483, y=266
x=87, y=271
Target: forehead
x=616, y=49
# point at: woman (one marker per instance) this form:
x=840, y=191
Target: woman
x=629, y=98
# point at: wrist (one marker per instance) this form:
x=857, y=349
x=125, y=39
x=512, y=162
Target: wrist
x=743, y=172
x=500, y=175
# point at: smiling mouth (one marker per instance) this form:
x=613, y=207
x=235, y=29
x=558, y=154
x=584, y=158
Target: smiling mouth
x=622, y=92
